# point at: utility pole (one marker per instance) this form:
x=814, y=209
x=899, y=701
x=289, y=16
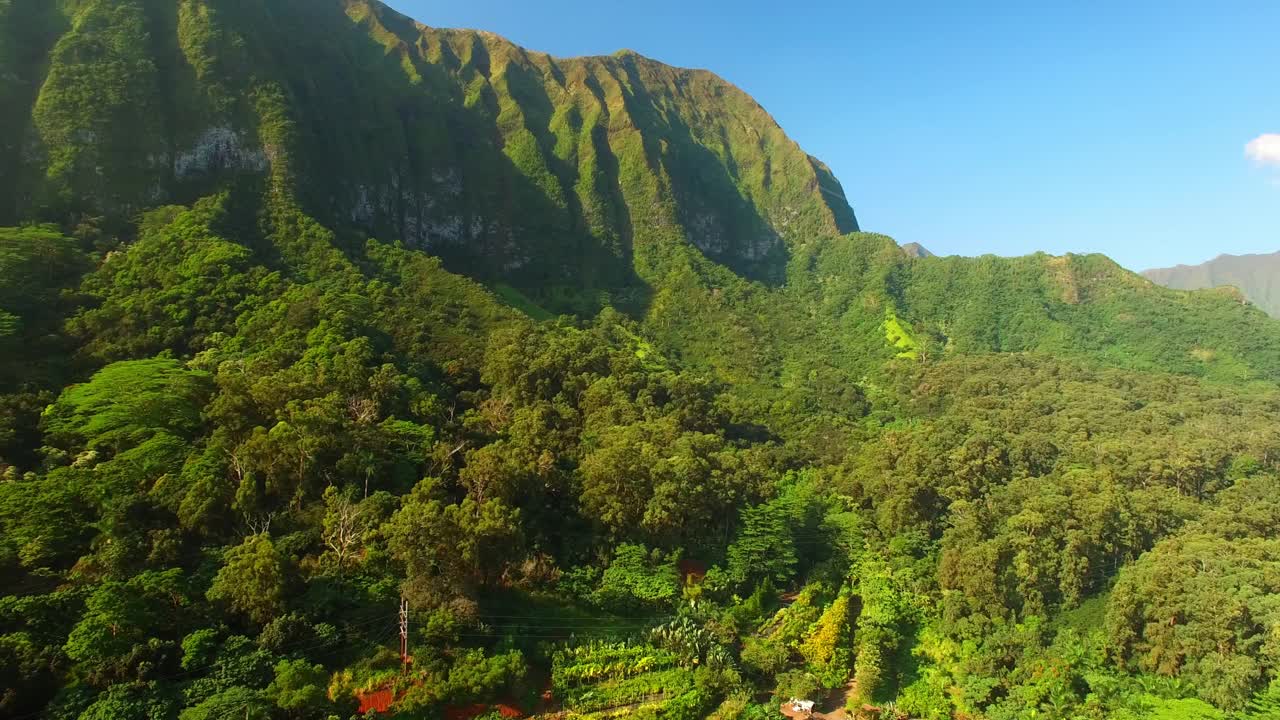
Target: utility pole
x=404, y=635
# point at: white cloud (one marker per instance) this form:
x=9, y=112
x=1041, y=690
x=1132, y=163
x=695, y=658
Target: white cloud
x=1264, y=149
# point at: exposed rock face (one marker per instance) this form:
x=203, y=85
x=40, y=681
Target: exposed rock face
x=219, y=149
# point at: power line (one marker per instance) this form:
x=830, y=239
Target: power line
x=404, y=635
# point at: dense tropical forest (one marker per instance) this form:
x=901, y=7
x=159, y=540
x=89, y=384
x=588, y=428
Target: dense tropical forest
x=323, y=331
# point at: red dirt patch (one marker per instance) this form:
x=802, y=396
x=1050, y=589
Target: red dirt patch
x=376, y=701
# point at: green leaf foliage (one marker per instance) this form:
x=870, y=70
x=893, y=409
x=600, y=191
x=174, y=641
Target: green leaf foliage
x=317, y=322
x=252, y=579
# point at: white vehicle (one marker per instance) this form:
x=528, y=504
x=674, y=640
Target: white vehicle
x=802, y=706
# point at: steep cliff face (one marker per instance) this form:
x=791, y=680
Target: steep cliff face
x=509, y=164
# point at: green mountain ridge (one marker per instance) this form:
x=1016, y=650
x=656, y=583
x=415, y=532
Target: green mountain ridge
x=509, y=164
x=1257, y=276
x=577, y=182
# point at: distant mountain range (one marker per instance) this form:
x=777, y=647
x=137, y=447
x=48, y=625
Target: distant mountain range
x=916, y=250
x=1257, y=276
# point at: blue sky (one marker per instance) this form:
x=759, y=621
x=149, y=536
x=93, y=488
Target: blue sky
x=1115, y=127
